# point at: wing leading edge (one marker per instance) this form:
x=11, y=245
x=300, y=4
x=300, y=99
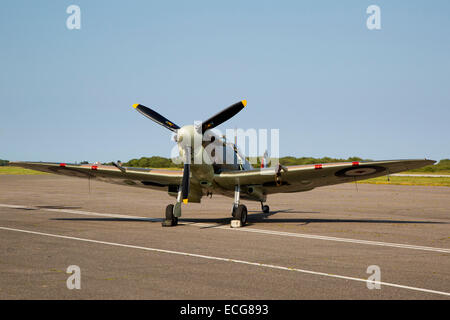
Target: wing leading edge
x=139, y=177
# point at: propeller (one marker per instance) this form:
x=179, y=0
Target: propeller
x=186, y=175
x=223, y=115
x=212, y=122
x=155, y=116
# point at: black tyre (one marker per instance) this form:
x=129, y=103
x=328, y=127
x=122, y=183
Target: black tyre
x=169, y=212
x=266, y=209
x=171, y=220
x=241, y=214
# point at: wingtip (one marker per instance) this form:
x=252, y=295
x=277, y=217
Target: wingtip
x=244, y=102
x=135, y=105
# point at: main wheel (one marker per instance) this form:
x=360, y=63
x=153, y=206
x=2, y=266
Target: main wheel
x=241, y=214
x=265, y=209
x=171, y=220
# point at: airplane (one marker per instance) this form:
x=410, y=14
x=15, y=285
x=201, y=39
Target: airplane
x=235, y=178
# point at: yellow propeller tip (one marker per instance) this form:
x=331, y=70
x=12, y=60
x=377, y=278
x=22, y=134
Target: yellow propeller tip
x=244, y=102
x=135, y=105
x=185, y=201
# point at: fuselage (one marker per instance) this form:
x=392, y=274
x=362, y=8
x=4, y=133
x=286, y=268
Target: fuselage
x=210, y=154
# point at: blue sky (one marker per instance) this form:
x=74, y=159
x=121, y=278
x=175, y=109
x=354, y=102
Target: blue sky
x=309, y=68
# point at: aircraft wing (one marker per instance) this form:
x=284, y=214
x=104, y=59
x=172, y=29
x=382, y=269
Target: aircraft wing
x=139, y=177
x=307, y=177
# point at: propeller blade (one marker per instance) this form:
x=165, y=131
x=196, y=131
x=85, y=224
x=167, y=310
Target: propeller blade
x=223, y=116
x=186, y=175
x=155, y=116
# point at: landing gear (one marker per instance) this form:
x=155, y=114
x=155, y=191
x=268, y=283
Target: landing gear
x=239, y=211
x=265, y=208
x=233, y=211
x=173, y=212
x=171, y=220
x=241, y=214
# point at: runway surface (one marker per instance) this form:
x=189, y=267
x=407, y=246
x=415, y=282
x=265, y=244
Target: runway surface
x=312, y=245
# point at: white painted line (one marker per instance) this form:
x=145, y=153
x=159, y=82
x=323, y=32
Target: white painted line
x=13, y=206
x=110, y=215
x=86, y=213
x=228, y=260
x=245, y=229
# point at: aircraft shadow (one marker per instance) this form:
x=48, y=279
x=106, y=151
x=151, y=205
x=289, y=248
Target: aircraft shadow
x=48, y=207
x=255, y=218
x=109, y=219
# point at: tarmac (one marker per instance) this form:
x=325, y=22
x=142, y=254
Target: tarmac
x=328, y=243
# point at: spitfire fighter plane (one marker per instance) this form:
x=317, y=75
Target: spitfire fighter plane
x=235, y=178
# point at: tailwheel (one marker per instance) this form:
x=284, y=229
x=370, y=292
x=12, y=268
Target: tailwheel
x=241, y=214
x=170, y=220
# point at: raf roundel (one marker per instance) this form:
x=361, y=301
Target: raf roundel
x=359, y=171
